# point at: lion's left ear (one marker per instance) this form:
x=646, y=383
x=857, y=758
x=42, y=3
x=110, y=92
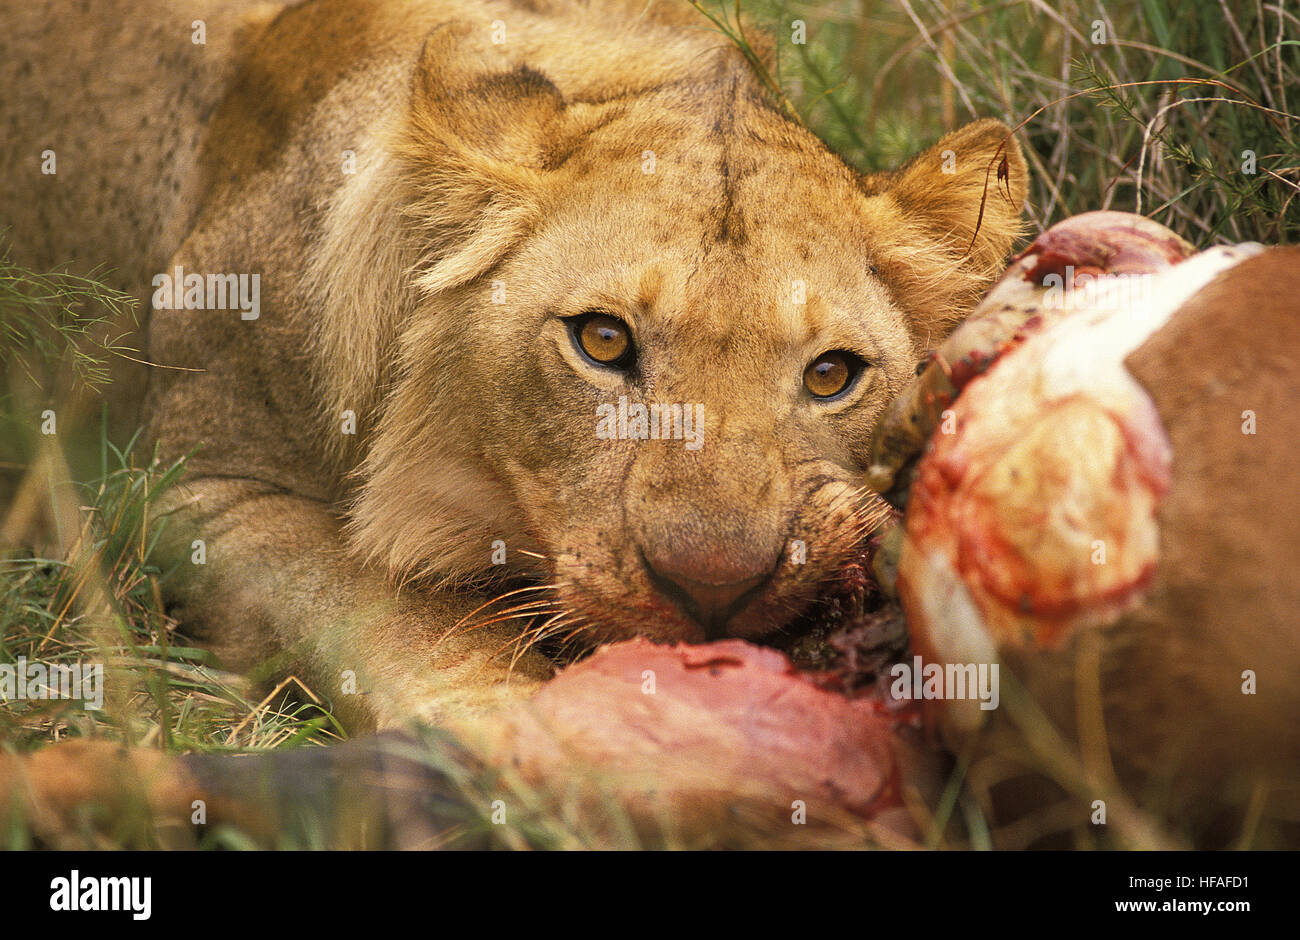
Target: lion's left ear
x=951, y=215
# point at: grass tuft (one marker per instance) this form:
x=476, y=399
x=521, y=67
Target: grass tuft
x=1186, y=115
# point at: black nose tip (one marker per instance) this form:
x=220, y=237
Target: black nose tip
x=710, y=605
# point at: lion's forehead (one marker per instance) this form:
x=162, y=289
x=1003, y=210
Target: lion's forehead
x=710, y=225
x=753, y=173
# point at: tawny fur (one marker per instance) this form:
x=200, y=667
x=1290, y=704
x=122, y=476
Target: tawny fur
x=512, y=171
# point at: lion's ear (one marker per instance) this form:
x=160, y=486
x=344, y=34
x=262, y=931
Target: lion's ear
x=474, y=151
x=953, y=212
x=943, y=189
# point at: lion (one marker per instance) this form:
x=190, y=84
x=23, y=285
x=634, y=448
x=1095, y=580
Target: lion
x=545, y=300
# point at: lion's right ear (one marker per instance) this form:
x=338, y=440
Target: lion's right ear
x=474, y=152
x=465, y=167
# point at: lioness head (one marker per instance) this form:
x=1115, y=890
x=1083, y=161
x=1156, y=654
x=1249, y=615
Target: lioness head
x=594, y=239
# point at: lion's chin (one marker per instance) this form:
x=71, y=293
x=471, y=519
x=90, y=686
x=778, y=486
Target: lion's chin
x=657, y=618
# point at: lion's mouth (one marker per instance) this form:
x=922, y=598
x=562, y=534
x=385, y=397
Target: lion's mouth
x=802, y=714
x=845, y=640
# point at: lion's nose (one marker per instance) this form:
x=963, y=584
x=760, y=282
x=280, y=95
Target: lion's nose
x=709, y=604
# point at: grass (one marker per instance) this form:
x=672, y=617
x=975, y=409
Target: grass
x=100, y=602
x=44, y=319
x=78, y=579
x=1163, y=118
x=97, y=601
x=1157, y=119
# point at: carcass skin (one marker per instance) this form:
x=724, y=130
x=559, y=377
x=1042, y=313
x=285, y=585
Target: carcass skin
x=717, y=745
x=1022, y=302
x=1109, y=512
x=1044, y=492
x=692, y=738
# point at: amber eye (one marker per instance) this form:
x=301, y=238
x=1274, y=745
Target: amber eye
x=831, y=373
x=603, y=339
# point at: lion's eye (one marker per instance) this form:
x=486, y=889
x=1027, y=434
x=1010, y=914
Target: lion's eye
x=603, y=339
x=832, y=373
